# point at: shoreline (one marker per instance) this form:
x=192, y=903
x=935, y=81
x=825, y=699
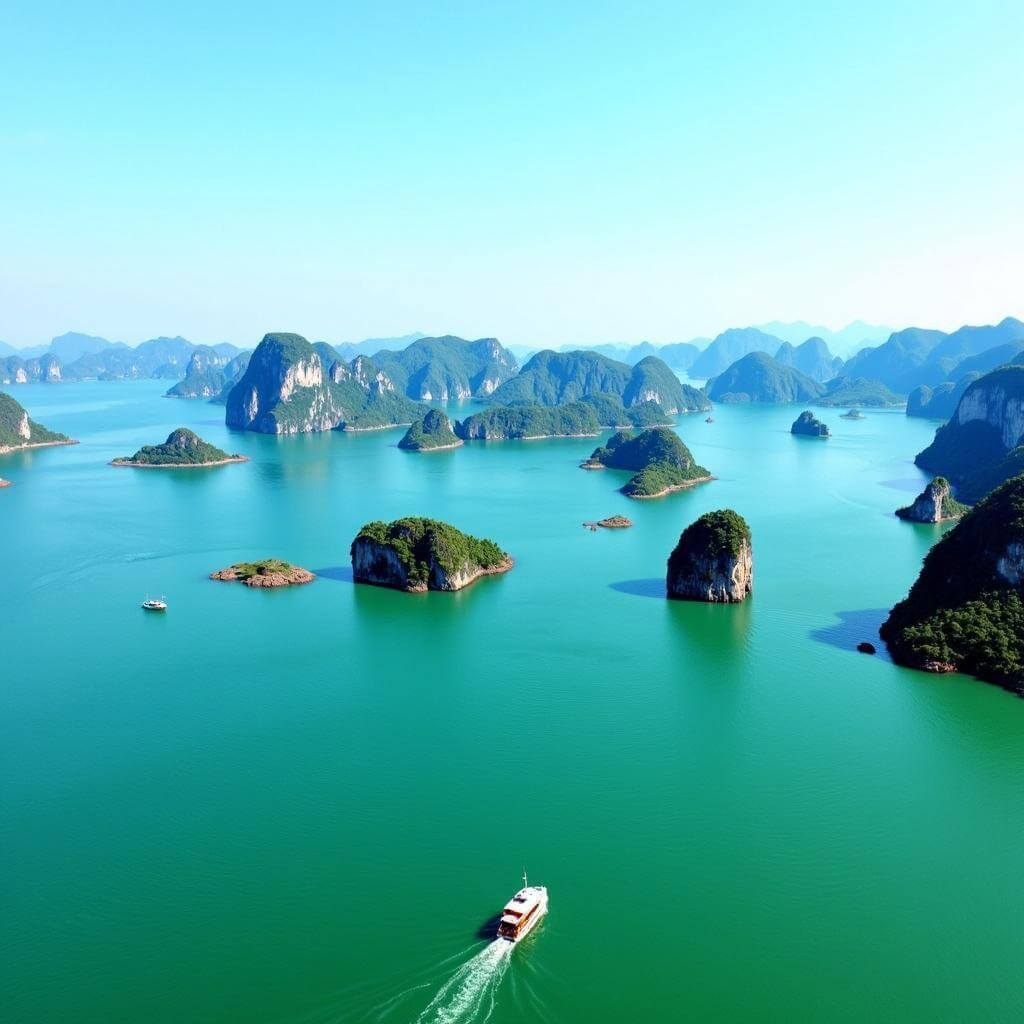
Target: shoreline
x=434, y=448
x=363, y=430
x=38, y=444
x=686, y=485
x=126, y=464
x=534, y=437
x=497, y=570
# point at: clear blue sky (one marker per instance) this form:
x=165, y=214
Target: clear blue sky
x=546, y=173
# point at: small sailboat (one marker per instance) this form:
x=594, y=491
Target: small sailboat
x=155, y=604
x=521, y=914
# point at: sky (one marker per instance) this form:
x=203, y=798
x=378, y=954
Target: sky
x=549, y=174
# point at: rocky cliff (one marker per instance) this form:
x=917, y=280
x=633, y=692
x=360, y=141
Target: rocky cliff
x=965, y=613
x=286, y=390
x=809, y=424
x=713, y=560
x=17, y=430
x=448, y=368
x=980, y=447
x=935, y=504
x=416, y=554
x=759, y=378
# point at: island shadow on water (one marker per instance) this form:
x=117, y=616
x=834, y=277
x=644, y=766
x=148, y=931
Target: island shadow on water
x=339, y=573
x=853, y=628
x=642, y=588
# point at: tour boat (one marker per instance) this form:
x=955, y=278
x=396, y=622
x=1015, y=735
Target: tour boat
x=523, y=911
x=155, y=604
x=710, y=419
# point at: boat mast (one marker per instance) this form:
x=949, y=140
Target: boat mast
x=525, y=885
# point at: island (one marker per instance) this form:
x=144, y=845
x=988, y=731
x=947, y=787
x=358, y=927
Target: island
x=980, y=447
x=615, y=522
x=430, y=434
x=183, y=449
x=713, y=560
x=18, y=431
x=853, y=414
x=935, y=504
x=965, y=613
x=287, y=389
x=530, y=422
x=268, y=572
x=809, y=425
x=416, y=554
x=556, y=378
x=759, y=378
x=659, y=459
x=858, y=391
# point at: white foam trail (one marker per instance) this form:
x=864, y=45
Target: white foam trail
x=469, y=993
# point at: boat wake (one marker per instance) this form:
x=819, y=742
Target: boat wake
x=468, y=995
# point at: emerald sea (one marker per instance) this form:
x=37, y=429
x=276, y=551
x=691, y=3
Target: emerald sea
x=307, y=805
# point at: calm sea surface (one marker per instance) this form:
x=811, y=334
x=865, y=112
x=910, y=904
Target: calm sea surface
x=307, y=805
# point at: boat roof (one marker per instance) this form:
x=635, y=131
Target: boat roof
x=523, y=901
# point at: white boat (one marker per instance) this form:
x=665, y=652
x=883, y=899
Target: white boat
x=155, y=604
x=523, y=911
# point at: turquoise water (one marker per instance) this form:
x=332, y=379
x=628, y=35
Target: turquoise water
x=306, y=805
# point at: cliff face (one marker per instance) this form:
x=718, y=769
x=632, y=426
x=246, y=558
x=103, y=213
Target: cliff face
x=17, y=430
x=286, y=390
x=980, y=447
x=965, y=611
x=417, y=554
x=935, y=504
x=447, y=368
x=713, y=560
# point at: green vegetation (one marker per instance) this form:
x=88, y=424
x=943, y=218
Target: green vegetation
x=418, y=543
x=445, y=368
x=713, y=535
x=18, y=431
x=759, y=378
x=264, y=567
x=659, y=459
x=577, y=419
x=964, y=612
x=858, y=391
x=973, y=453
x=312, y=400
x=433, y=431
x=183, y=447
x=653, y=380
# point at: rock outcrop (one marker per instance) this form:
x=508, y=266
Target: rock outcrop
x=935, y=504
x=269, y=572
x=416, y=554
x=809, y=424
x=286, y=390
x=432, y=433
x=965, y=612
x=448, y=368
x=713, y=560
x=980, y=447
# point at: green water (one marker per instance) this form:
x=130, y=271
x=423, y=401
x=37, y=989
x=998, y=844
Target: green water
x=304, y=805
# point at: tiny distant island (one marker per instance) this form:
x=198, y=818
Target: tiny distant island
x=661, y=463
x=935, y=504
x=433, y=433
x=268, y=572
x=183, y=449
x=713, y=560
x=17, y=431
x=416, y=554
x=809, y=425
x=853, y=414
